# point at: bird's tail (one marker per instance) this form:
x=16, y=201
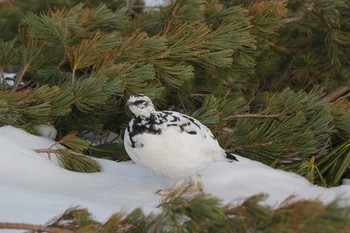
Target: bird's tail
x=231, y=157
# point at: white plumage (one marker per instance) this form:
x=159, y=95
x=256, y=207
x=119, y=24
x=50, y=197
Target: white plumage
x=170, y=143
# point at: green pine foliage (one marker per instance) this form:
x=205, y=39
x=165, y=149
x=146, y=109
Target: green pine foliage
x=302, y=44
x=301, y=121
x=70, y=153
x=12, y=12
x=259, y=73
x=207, y=214
x=264, y=76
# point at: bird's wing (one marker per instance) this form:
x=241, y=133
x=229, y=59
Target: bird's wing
x=184, y=123
x=173, y=127
x=195, y=134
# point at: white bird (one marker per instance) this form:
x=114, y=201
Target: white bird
x=171, y=144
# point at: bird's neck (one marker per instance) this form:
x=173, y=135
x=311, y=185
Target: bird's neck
x=146, y=114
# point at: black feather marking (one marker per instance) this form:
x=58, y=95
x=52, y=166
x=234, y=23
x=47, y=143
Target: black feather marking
x=163, y=116
x=182, y=127
x=192, y=120
x=175, y=119
x=191, y=132
x=139, y=125
x=130, y=138
x=137, y=102
x=231, y=157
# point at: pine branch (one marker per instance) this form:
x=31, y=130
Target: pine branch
x=73, y=158
x=287, y=139
x=195, y=213
x=32, y=227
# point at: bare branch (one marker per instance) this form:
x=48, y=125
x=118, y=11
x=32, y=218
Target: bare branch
x=45, y=150
x=251, y=115
x=31, y=227
x=4, y=1
x=19, y=79
x=345, y=96
x=199, y=95
x=332, y=96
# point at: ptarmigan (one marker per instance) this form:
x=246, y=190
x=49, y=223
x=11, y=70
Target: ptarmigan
x=170, y=143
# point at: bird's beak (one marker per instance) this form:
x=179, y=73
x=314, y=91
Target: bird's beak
x=128, y=103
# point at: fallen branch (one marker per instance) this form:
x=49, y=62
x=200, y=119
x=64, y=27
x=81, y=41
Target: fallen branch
x=347, y=96
x=32, y=227
x=46, y=150
x=4, y=1
x=334, y=95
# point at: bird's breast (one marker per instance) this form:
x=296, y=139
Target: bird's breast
x=173, y=154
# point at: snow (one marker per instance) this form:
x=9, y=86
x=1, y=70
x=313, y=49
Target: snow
x=156, y=3
x=8, y=77
x=47, y=131
x=34, y=189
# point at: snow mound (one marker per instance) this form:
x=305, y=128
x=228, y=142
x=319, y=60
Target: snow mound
x=34, y=189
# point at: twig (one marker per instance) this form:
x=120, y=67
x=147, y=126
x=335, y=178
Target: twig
x=227, y=93
x=45, y=150
x=173, y=13
x=199, y=95
x=332, y=96
x=345, y=96
x=289, y=200
x=48, y=151
x=74, y=78
x=322, y=151
x=4, y=1
x=251, y=115
x=64, y=59
x=32, y=227
x=19, y=79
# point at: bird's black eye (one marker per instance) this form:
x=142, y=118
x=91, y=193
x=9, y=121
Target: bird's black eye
x=138, y=102
x=138, y=95
x=141, y=103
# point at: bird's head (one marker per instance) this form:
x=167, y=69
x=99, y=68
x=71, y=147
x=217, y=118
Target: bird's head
x=140, y=105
